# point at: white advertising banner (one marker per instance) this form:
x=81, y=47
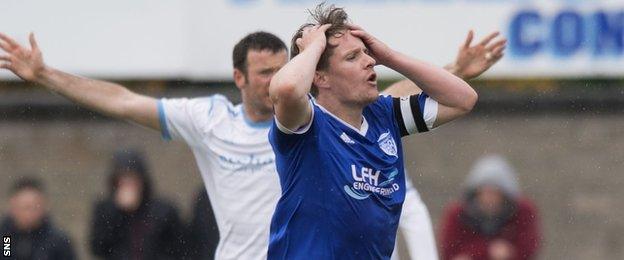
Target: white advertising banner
x=194, y=39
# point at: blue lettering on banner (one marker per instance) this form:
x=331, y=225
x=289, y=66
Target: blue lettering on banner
x=567, y=33
x=524, y=33
x=609, y=33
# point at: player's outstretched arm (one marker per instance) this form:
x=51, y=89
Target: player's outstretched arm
x=454, y=95
x=104, y=97
x=471, y=61
x=291, y=84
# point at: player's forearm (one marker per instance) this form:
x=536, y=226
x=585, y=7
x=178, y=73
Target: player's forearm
x=97, y=95
x=402, y=88
x=104, y=97
x=453, y=70
x=406, y=87
x=441, y=85
x=290, y=86
x=294, y=80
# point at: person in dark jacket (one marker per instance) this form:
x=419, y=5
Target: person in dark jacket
x=31, y=231
x=203, y=233
x=131, y=223
x=493, y=221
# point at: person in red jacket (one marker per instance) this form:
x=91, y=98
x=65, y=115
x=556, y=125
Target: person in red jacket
x=493, y=220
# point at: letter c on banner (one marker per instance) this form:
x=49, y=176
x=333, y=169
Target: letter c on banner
x=525, y=31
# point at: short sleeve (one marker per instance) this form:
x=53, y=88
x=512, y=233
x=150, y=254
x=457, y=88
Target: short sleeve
x=301, y=130
x=188, y=119
x=283, y=140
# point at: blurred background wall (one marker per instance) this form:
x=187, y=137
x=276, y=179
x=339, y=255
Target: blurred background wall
x=553, y=105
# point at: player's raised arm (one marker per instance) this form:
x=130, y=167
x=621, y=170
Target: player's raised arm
x=104, y=97
x=471, y=61
x=454, y=96
x=291, y=84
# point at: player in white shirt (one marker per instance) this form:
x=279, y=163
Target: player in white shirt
x=230, y=142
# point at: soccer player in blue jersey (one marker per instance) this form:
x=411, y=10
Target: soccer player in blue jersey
x=339, y=155
x=244, y=215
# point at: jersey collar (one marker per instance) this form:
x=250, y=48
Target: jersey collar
x=260, y=124
x=363, y=128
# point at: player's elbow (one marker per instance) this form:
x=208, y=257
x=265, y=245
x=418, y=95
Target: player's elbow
x=472, y=99
x=469, y=100
x=281, y=89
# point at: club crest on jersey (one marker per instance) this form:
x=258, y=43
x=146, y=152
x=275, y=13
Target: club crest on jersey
x=387, y=144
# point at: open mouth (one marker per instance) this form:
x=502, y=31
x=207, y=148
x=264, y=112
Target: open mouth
x=372, y=78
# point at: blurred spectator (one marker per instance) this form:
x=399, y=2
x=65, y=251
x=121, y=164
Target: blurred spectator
x=203, y=233
x=33, y=235
x=131, y=223
x=493, y=221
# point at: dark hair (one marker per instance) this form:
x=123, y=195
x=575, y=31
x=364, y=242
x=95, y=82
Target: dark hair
x=27, y=183
x=255, y=41
x=321, y=15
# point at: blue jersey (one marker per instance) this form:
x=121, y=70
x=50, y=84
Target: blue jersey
x=342, y=189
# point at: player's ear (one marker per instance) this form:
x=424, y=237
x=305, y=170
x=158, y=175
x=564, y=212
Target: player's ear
x=239, y=78
x=320, y=79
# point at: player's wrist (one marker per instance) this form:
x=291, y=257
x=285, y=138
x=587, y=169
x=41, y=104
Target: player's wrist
x=389, y=58
x=318, y=46
x=454, y=69
x=42, y=75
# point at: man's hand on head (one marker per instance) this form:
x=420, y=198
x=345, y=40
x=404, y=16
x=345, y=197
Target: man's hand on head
x=473, y=60
x=313, y=35
x=378, y=50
